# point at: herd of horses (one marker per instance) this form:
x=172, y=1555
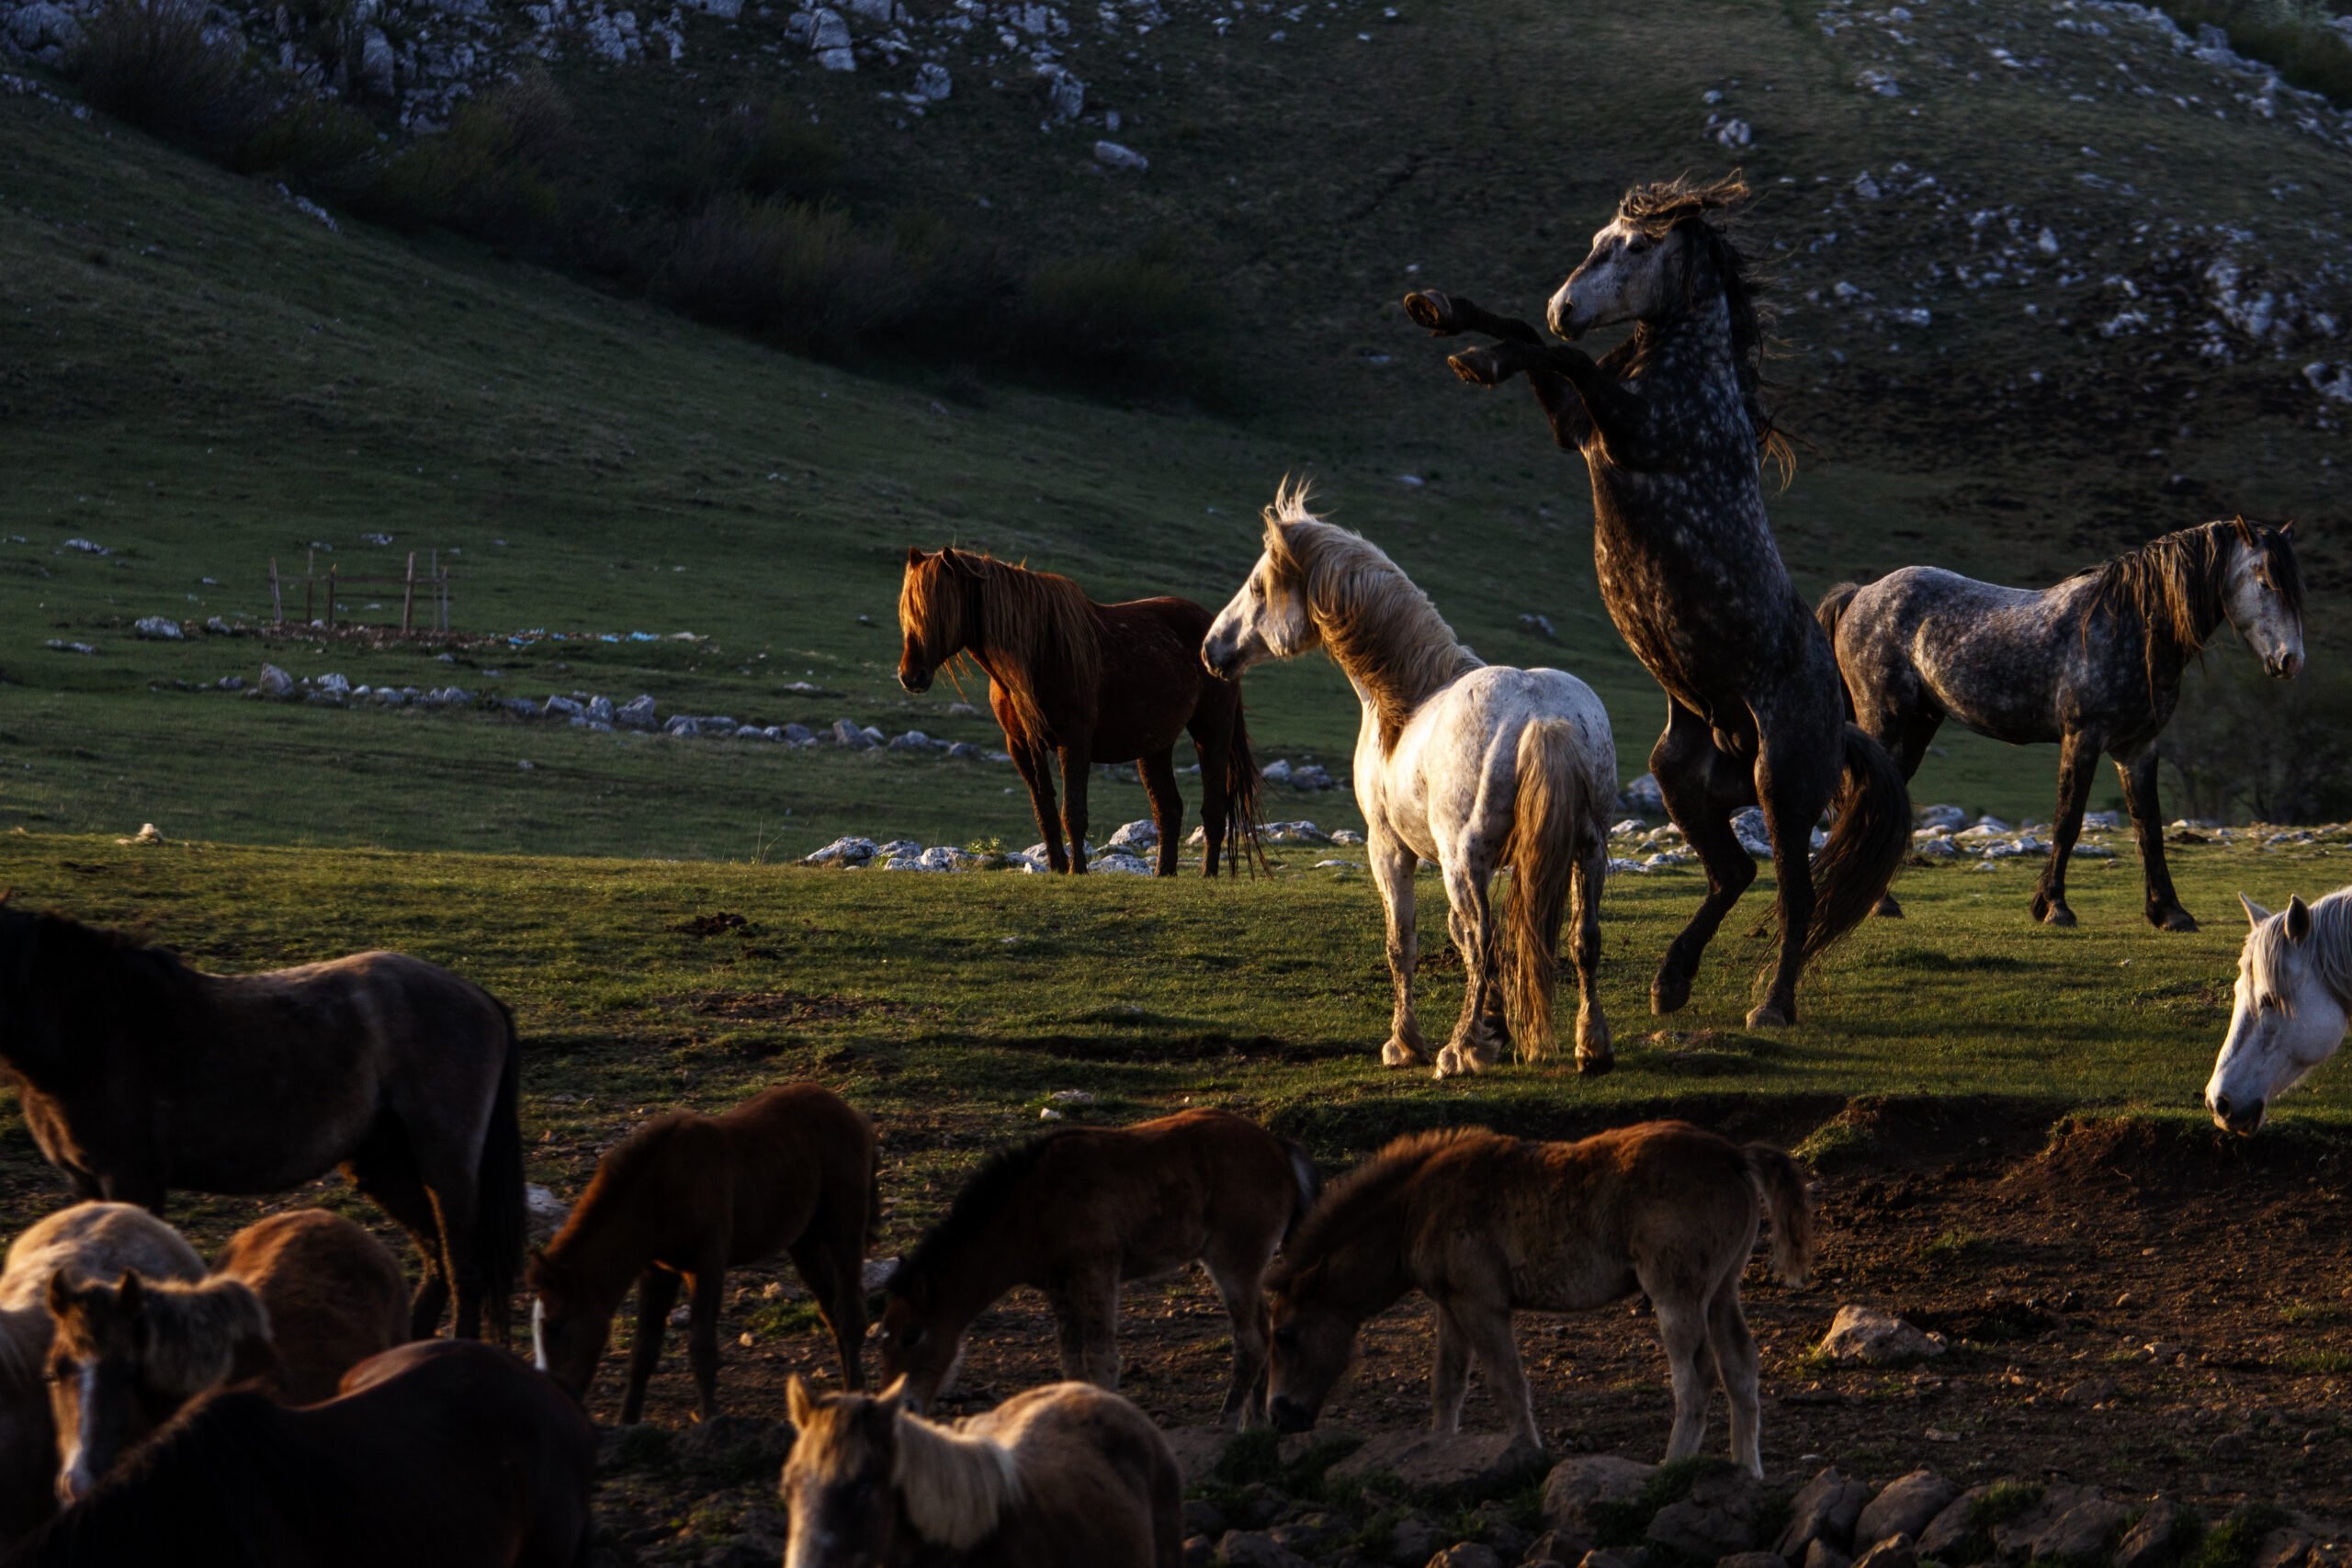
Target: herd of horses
x=290, y=1405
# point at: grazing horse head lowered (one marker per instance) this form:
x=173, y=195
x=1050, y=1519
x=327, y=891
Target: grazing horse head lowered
x=2294, y=990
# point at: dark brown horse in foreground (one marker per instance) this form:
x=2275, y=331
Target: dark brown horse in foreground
x=1087, y=683
x=1076, y=1213
x=1064, y=1476
x=1484, y=1225
x=299, y=1299
x=139, y=1074
x=437, y=1455
x=686, y=1196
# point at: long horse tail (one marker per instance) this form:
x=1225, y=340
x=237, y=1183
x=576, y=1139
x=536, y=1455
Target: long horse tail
x=1306, y=1184
x=1554, y=810
x=498, y=1184
x=1831, y=614
x=1867, y=843
x=1781, y=1188
x=1244, y=817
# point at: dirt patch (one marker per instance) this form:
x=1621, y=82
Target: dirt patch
x=719, y=922
x=790, y=1006
x=2152, y=1159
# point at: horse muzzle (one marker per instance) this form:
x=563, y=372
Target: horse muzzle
x=2284, y=665
x=916, y=681
x=1289, y=1416
x=2243, y=1117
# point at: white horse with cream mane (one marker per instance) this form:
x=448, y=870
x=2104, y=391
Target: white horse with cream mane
x=2294, y=990
x=1472, y=765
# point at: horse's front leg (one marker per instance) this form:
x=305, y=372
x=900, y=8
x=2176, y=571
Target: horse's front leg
x=2139, y=771
x=2078, y=763
x=1036, y=771
x=1075, y=759
x=1470, y=919
x=1450, y=315
x=1448, y=1373
x=1159, y=770
x=1392, y=870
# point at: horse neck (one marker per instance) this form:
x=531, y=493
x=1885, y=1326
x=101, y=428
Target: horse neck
x=613, y=1231
x=2330, y=945
x=955, y=1486
x=1397, y=666
x=964, y=1278
x=1692, y=349
x=116, y=985
x=1038, y=669
x=1366, y=1272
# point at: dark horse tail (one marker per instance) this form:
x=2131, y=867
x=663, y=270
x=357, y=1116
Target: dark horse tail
x=1243, y=815
x=498, y=1185
x=1830, y=612
x=1867, y=843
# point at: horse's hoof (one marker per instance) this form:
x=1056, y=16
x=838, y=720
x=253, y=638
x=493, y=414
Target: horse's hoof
x=1476, y=366
x=1398, y=1054
x=2050, y=914
x=1592, y=1064
x=2172, y=919
x=1669, y=991
x=1771, y=1015
x=1448, y=1063
x=1433, y=311
x=1888, y=909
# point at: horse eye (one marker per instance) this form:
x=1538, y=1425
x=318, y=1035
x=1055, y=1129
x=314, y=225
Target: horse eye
x=1287, y=1335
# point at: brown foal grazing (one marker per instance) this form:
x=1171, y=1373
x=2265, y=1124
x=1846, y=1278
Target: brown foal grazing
x=1076, y=1213
x=299, y=1299
x=686, y=1196
x=1064, y=1476
x=1483, y=1224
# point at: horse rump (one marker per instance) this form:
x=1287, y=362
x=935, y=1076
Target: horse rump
x=1780, y=1187
x=1867, y=843
x=1554, y=811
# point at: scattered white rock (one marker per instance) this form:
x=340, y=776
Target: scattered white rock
x=1110, y=154
x=1868, y=1334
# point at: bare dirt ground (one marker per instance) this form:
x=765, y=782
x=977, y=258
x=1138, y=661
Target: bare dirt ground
x=2139, y=1304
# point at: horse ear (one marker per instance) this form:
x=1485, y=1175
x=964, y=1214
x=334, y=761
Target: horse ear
x=2255, y=913
x=802, y=1407
x=60, y=1293
x=2286, y=529
x=893, y=1399
x=914, y=555
x=132, y=1291
x=2298, y=918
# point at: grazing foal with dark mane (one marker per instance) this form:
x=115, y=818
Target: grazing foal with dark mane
x=1087, y=683
x=2094, y=664
x=441, y=1454
x=684, y=1198
x=1669, y=425
x=1076, y=1213
x=140, y=1075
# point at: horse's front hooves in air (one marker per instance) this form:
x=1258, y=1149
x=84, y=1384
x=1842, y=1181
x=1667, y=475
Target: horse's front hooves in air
x=1433, y=311
x=2172, y=919
x=1668, y=992
x=1398, y=1054
x=1476, y=365
x=1888, y=910
x=1771, y=1015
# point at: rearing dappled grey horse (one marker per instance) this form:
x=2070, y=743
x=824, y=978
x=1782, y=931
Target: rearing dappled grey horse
x=2293, y=992
x=2094, y=664
x=1669, y=425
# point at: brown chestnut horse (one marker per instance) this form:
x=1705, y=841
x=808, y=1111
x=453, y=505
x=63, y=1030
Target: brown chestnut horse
x=684, y=1198
x=445, y=1453
x=139, y=1074
x=1076, y=1213
x=299, y=1299
x=1087, y=683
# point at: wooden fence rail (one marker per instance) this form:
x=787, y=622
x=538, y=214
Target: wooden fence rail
x=435, y=581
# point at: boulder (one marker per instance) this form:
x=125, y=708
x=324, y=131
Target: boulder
x=847, y=850
x=1753, y=1560
x=849, y=736
x=159, y=628
x=1198, y=1451
x=2081, y=1533
x=1414, y=1540
x=1826, y=1509
x=1255, y=1549
x=2163, y=1530
x=1442, y=1462
x=275, y=683
x=374, y=75
x=600, y=710
x=1468, y=1555
x=1276, y=772
x=1905, y=1507
x=800, y=734
x=683, y=728
x=1643, y=796
x=1821, y=1554
x=2015, y=1537
x=1866, y=1335
x=912, y=740
x=1112, y=155
x=1894, y=1551
x=1555, y=1546
x=635, y=714
x=1138, y=835
x=1952, y=1530
x=1310, y=775
x=1581, y=1481
x=1722, y=1513
x=932, y=83
x=1950, y=818
x=564, y=707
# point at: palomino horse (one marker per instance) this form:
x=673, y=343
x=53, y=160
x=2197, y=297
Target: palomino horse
x=450, y=1454
x=140, y=1075
x=684, y=1198
x=1076, y=1213
x=1472, y=765
x=2294, y=993
x=1484, y=1225
x=91, y=1241
x=1064, y=1476
x=1670, y=427
x=299, y=1299
x=1087, y=683
x=2094, y=664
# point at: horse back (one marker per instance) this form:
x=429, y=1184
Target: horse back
x=1101, y=1483
x=2013, y=663
x=798, y=1157
x=1165, y=1190
x=335, y=1295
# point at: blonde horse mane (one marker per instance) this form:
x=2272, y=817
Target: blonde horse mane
x=956, y=1485
x=1381, y=629
x=1029, y=620
x=2328, y=945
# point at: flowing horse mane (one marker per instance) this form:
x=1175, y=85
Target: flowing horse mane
x=2172, y=587
x=2329, y=946
x=1030, y=619
x=1379, y=626
x=1341, y=1210
x=1661, y=207
x=955, y=1486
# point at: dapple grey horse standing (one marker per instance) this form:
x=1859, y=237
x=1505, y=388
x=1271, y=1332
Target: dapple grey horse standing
x=1670, y=427
x=2094, y=664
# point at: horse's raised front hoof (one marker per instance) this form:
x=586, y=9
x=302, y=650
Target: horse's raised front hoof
x=1400, y=1053
x=1772, y=1014
x=1669, y=991
x=1433, y=311
x=2052, y=912
x=1888, y=910
x=1476, y=365
x=2172, y=917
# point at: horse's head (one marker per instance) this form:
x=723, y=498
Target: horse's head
x=2289, y=1017
x=1646, y=260
x=919, y=1352
x=839, y=1485
x=931, y=620
x=567, y=1329
x=124, y=1356
x=1269, y=618
x=2264, y=596
x=1314, y=1346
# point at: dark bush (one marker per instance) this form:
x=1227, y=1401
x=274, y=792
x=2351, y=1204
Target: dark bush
x=2245, y=744
x=152, y=63
x=803, y=277
x=493, y=175
x=1115, y=320
x=322, y=144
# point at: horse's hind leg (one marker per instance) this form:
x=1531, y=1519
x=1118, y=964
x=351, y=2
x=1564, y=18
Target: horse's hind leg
x=1448, y=1373
x=1159, y=770
x=1213, y=746
x=1487, y=1330
x=2077, y=765
x=709, y=1284
x=2139, y=771
x=1470, y=919
x=1735, y=1358
x=385, y=1171
x=830, y=1266
x=1076, y=760
x=1682, y=1326
x=657, y=1291
x=1593, y=1054
x=1238, y=1280
x=1392, y=870
x=1702, y=788
x=1794, y=785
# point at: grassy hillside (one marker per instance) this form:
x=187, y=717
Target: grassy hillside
x=200, y=377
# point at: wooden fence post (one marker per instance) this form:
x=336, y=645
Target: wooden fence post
x=408, y=596
x=309, y=582
x=332, y=569
x=276, y=604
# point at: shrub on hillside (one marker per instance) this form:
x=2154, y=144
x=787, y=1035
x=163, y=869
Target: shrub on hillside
x=804, y=276
x=154, y=64
x=1122, y=320
x=493, y=175
x=2292, y=37
x=322, y=144
x=2245, y=744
